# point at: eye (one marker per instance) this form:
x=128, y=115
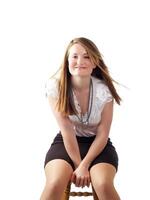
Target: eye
x=87, y=57
x=74, y=56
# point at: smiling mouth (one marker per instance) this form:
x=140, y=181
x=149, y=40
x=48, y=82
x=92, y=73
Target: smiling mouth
x=81, y=67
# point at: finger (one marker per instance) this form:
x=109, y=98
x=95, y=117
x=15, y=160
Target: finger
x=88, y=182
x=77, y=183
x=81, y=182
x=73, y=177
x=85, y=183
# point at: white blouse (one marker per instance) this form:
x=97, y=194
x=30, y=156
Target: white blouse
x=101, y=95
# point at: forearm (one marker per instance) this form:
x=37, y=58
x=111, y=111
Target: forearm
x=71, y=145
x=68, y=133
x=95, y=149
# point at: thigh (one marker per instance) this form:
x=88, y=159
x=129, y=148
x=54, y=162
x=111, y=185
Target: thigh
x=102, y=178
x=57, y=150
x=58, y=171
x=108, y=155
x=102, y=173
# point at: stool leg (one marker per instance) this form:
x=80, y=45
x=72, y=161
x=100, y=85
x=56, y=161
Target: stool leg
x=66, y=193
x=95, y=197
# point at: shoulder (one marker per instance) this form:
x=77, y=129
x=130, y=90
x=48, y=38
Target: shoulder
x=99, y=84
x=51, y=87
x=102, y=91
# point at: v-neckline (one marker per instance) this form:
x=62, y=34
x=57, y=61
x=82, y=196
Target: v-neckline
x=77, y=104
x=78, y=107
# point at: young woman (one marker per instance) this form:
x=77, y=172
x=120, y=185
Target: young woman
x=82, y=101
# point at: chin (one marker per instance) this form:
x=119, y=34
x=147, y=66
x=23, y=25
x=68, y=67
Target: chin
x=83, y=74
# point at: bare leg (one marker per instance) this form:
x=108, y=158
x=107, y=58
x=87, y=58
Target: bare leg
x=102, y=176
x=58, y=173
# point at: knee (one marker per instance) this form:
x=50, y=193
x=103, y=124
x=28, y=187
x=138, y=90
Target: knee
x=52, y=189
x=104, y=187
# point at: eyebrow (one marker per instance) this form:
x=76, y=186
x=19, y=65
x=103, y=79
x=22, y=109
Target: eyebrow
x=77, y=53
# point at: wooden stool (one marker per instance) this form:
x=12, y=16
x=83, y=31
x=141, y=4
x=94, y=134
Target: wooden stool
x=68, y=193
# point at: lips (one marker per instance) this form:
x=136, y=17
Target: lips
x=81, y=67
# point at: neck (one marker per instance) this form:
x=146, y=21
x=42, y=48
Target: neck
x=80, y=83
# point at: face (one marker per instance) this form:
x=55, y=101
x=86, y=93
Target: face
x=79, y=61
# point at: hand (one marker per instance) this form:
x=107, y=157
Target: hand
x=81, y=176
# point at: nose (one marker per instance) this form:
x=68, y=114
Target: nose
x=80, y=61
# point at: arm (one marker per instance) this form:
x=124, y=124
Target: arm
x=81, y=175
x=67, y=132
x=101, y=137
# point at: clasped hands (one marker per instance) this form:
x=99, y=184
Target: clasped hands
x=81, y=176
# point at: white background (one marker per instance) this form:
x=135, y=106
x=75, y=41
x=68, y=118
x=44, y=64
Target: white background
x=33, y=38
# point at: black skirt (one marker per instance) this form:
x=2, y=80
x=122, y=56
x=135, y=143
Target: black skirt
x=57, y=151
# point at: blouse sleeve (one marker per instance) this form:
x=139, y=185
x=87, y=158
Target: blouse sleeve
x=51, y=88
x=103, y=93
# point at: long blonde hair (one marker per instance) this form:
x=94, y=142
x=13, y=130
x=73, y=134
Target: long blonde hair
x=101, y=72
